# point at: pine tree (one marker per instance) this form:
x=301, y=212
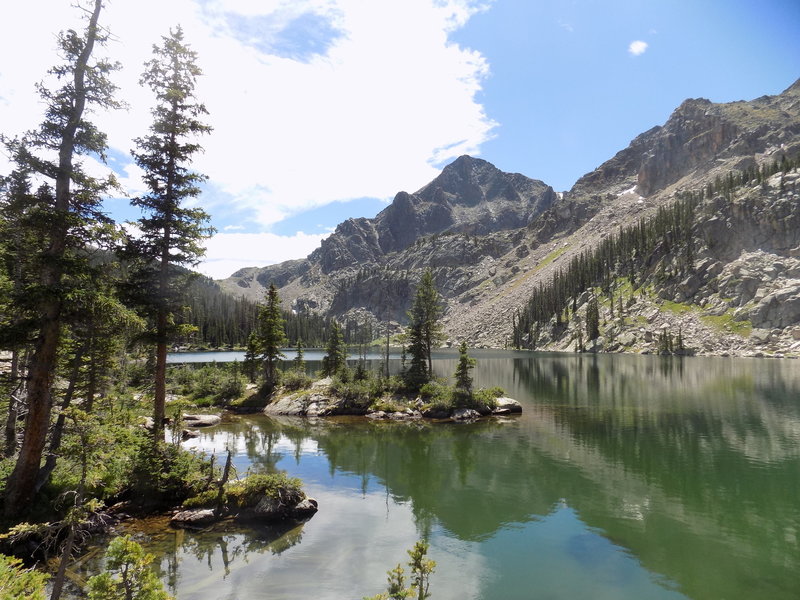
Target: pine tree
x=335, y=358
x=251, y=356
x=463, y=383
x=70, y=222
x=424, y=330
x=271, y=336
x=592, y=320
x=129, y=575
x=299, y=362
x=171, y=233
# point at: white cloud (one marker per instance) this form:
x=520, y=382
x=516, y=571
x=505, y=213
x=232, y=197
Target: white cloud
x=637, y=47
x=390, y=97
x=228, y=252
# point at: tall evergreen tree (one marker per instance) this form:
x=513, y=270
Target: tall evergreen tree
x=335, y=357
x=251, y=356
x=463, y=384
x=171, y=233
x=592, y=319
x=424, y=329
x=271, y=336
x=299, y=362
x=69, y=224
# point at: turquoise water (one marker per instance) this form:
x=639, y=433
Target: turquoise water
x=625, y=477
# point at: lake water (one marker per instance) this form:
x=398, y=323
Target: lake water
x=625, y=477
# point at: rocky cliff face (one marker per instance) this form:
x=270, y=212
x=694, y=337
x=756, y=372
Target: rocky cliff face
x=491, y=237
x=459, y=220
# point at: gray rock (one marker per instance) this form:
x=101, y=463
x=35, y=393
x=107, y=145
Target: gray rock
x=201, y=420
x=508, y=404
x=760, y=336
x=689, y=286
x=305, y=508
x=465, y=414
x=288, y=405
x=436, y=413
x=269, y=509
x=195, y=518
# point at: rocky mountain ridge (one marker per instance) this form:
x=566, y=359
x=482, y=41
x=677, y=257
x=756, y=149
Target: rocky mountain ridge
x=492, y=237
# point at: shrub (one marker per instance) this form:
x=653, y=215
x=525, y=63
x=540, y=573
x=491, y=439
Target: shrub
x=250, y=490
x=18, y=582
x=488, y=397
x=166, y=474
x=437, y=393
x=296, y=380
x=354, y=393
x=129, y=575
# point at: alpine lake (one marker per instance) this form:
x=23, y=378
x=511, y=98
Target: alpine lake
x=625, y=477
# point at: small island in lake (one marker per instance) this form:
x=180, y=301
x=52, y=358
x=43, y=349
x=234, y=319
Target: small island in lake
x=413, y=394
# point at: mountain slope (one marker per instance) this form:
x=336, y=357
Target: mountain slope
x=491, y=237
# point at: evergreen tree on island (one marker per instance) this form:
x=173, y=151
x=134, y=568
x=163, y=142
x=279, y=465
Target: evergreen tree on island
x=171, y=233
x=424, y=330
x=462, y=390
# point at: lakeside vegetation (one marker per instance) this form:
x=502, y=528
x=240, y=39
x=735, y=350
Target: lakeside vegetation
x=88, y=312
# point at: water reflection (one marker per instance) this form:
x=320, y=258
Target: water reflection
x=625, y=477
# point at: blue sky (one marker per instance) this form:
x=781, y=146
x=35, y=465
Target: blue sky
x=324, y=109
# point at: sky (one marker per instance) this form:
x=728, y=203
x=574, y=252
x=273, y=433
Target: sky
x=323, y=110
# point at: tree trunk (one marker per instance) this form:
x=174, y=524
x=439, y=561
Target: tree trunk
x=58, y=428
x=22, y=481
x=160, y=394
x=13, y=401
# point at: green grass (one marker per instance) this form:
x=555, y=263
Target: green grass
x=728, y=324
x=551, y=257
x=545, y=261
x=678, y=308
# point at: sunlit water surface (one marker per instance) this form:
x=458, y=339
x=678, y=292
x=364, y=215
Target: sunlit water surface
x=625, y=477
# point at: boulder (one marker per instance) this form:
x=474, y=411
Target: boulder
x=465, y=414
x=201, y=420
x=760, y=336
x=508, y=404
x=276, y=509
x=627, y=339
x=288, y=405
x=305, y=508
x=196, y=518
x=436, y=413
